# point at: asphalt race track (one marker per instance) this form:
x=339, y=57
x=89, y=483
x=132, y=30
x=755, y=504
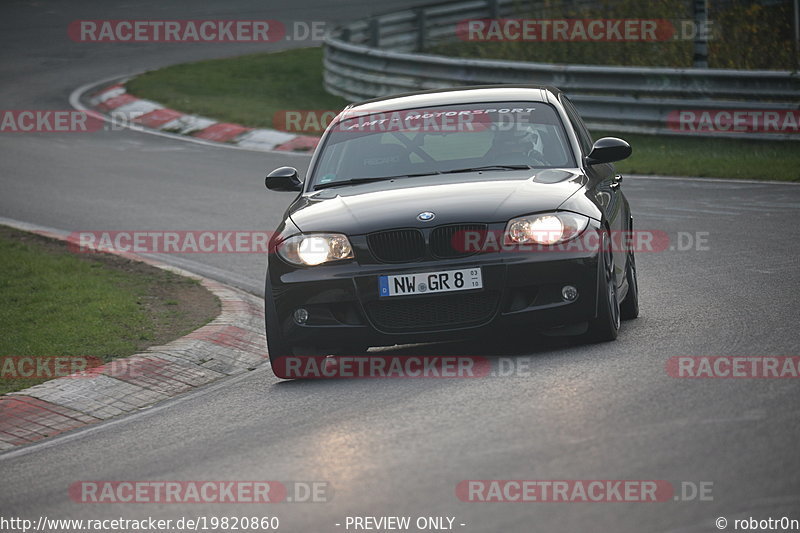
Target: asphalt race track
x=400, y=447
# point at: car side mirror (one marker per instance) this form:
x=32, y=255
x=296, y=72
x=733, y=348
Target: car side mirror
x=608, y=150
x=284, y=179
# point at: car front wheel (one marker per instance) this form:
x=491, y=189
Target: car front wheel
x=277, y=347
x=629, y=308
x=605, y=327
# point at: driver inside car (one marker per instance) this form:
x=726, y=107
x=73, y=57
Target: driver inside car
x=515, y=146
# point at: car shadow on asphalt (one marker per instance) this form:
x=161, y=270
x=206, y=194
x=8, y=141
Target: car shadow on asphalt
x=487, y=353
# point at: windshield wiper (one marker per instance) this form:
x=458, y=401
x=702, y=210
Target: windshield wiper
x=488, y=167
x=348, y=182
x=356, y=181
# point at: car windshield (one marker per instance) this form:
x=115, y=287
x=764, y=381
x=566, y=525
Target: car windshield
x=414, y=142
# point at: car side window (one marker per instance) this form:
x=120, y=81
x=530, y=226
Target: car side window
x=584, y=138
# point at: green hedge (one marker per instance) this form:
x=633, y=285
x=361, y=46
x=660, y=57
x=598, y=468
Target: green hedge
x=745, y=35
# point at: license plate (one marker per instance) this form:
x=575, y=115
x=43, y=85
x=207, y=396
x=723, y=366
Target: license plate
x=430, y=282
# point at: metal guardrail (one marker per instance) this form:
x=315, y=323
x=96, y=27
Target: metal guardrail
x=375, y=57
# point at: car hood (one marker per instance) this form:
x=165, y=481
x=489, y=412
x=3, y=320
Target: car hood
x=467, y=197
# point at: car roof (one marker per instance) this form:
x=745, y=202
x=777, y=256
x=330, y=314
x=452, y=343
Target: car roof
x=469, y=94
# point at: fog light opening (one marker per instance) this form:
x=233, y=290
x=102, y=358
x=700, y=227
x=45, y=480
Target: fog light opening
x=569, y=293
x=301, y=316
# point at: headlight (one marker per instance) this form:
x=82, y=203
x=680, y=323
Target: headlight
x=315, y=249
x=550, y=228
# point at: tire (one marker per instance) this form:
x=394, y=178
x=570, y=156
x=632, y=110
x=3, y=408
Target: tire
x=605, y=327
x=629, y=308
x=277, y=347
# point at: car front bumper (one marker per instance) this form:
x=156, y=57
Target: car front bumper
x=522, y=292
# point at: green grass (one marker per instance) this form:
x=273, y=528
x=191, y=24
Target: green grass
x=709, y=157
x=246, y=90
x=55, y=303
x=250, y=89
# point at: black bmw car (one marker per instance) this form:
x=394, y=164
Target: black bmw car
x=450, y=214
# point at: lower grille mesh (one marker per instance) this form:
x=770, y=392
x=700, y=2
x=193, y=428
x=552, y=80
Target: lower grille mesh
x=433, y=312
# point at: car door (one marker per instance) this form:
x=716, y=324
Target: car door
x=604, y=188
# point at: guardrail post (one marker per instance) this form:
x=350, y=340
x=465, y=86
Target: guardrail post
x=422, y=29
x=797, y=33
x=700, y=59
x=374, y=33
x=494, y=8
